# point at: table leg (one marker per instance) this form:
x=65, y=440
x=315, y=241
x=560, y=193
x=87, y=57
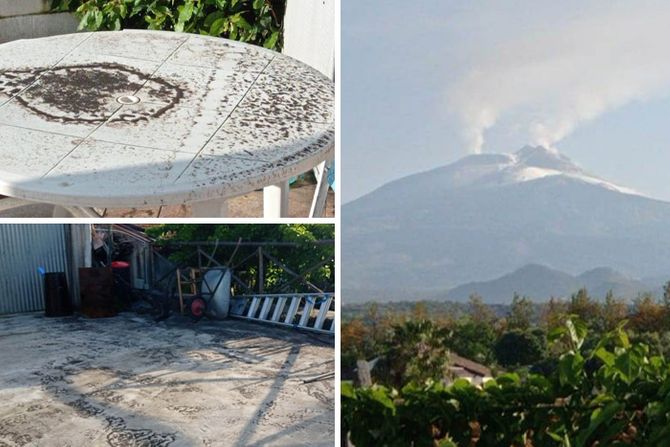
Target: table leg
x=275, y=200
x=321, y=193
x=210, y=208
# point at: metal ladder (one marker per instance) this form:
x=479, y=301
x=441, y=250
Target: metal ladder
x=308, y=311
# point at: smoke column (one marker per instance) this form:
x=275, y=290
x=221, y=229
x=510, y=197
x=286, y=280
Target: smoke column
x=566, y=74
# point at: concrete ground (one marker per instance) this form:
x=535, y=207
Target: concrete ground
x=248, y=205
x=127, y=381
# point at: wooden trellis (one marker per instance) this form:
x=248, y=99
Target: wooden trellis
x=208, y=254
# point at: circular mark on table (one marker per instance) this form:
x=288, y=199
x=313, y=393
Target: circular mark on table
x=127, y=99
x=88, y=93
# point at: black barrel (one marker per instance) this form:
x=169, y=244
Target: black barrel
x=96, y=288
x=57, y=301
x=122, y=285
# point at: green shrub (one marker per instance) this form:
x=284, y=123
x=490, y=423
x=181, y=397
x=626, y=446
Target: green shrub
x=254, y=21
x=615, y=393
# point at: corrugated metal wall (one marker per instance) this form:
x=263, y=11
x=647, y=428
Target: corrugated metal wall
x=24, y=248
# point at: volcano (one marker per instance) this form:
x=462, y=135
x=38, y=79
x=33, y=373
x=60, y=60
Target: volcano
x=487, y=215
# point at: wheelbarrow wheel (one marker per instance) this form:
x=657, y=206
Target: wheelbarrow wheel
x=198, y=308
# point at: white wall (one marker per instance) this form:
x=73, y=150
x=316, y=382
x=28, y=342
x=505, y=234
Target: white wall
x=24, y=19
x=11, y=8
x=309, y=33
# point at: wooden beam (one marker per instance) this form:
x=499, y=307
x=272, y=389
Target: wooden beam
x=291, y=272
x=234, y=276
x=181, y=297
x=261, y=272
x=193, y=285
x=246, y=243
x=209, y=258
x=309, y=270
x=246, y=286
x=251, y=255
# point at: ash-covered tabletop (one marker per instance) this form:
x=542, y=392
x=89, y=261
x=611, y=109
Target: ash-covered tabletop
x=137, y=118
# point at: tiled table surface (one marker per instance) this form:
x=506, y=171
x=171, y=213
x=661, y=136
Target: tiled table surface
x=145, y=118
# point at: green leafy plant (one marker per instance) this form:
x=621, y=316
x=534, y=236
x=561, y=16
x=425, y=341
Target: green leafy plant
x=254, y=21
x=614, y=393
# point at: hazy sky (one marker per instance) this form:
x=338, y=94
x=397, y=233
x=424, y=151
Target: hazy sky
x=427, y=82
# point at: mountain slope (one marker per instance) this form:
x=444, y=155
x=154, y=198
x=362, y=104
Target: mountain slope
x=541, y=283
x=486, y=215
x=533, y=280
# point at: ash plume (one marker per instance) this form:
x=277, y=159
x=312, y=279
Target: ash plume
x=567, y=72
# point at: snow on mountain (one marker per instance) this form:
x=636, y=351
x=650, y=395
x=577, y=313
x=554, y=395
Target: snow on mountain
x=527, y=164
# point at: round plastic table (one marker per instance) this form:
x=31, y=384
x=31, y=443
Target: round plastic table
x=147, y=118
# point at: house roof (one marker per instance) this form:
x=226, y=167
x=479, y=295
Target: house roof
x=469, y=365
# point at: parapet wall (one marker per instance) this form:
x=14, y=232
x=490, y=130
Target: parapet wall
x=23, y=19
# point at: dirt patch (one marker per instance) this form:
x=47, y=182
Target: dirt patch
x=87, y=93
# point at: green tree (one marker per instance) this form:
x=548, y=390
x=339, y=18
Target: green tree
x=521, y=313
x=666, y=304
x=357, y=343
x=414, y=352
x=666, y=294
x=517, y=347
x=648, y=314
x=584, y=307
x=554, y=314
x=479, y=311
x=614, y=311
x=473, y=339
x=420, y=311
x=372, y=316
